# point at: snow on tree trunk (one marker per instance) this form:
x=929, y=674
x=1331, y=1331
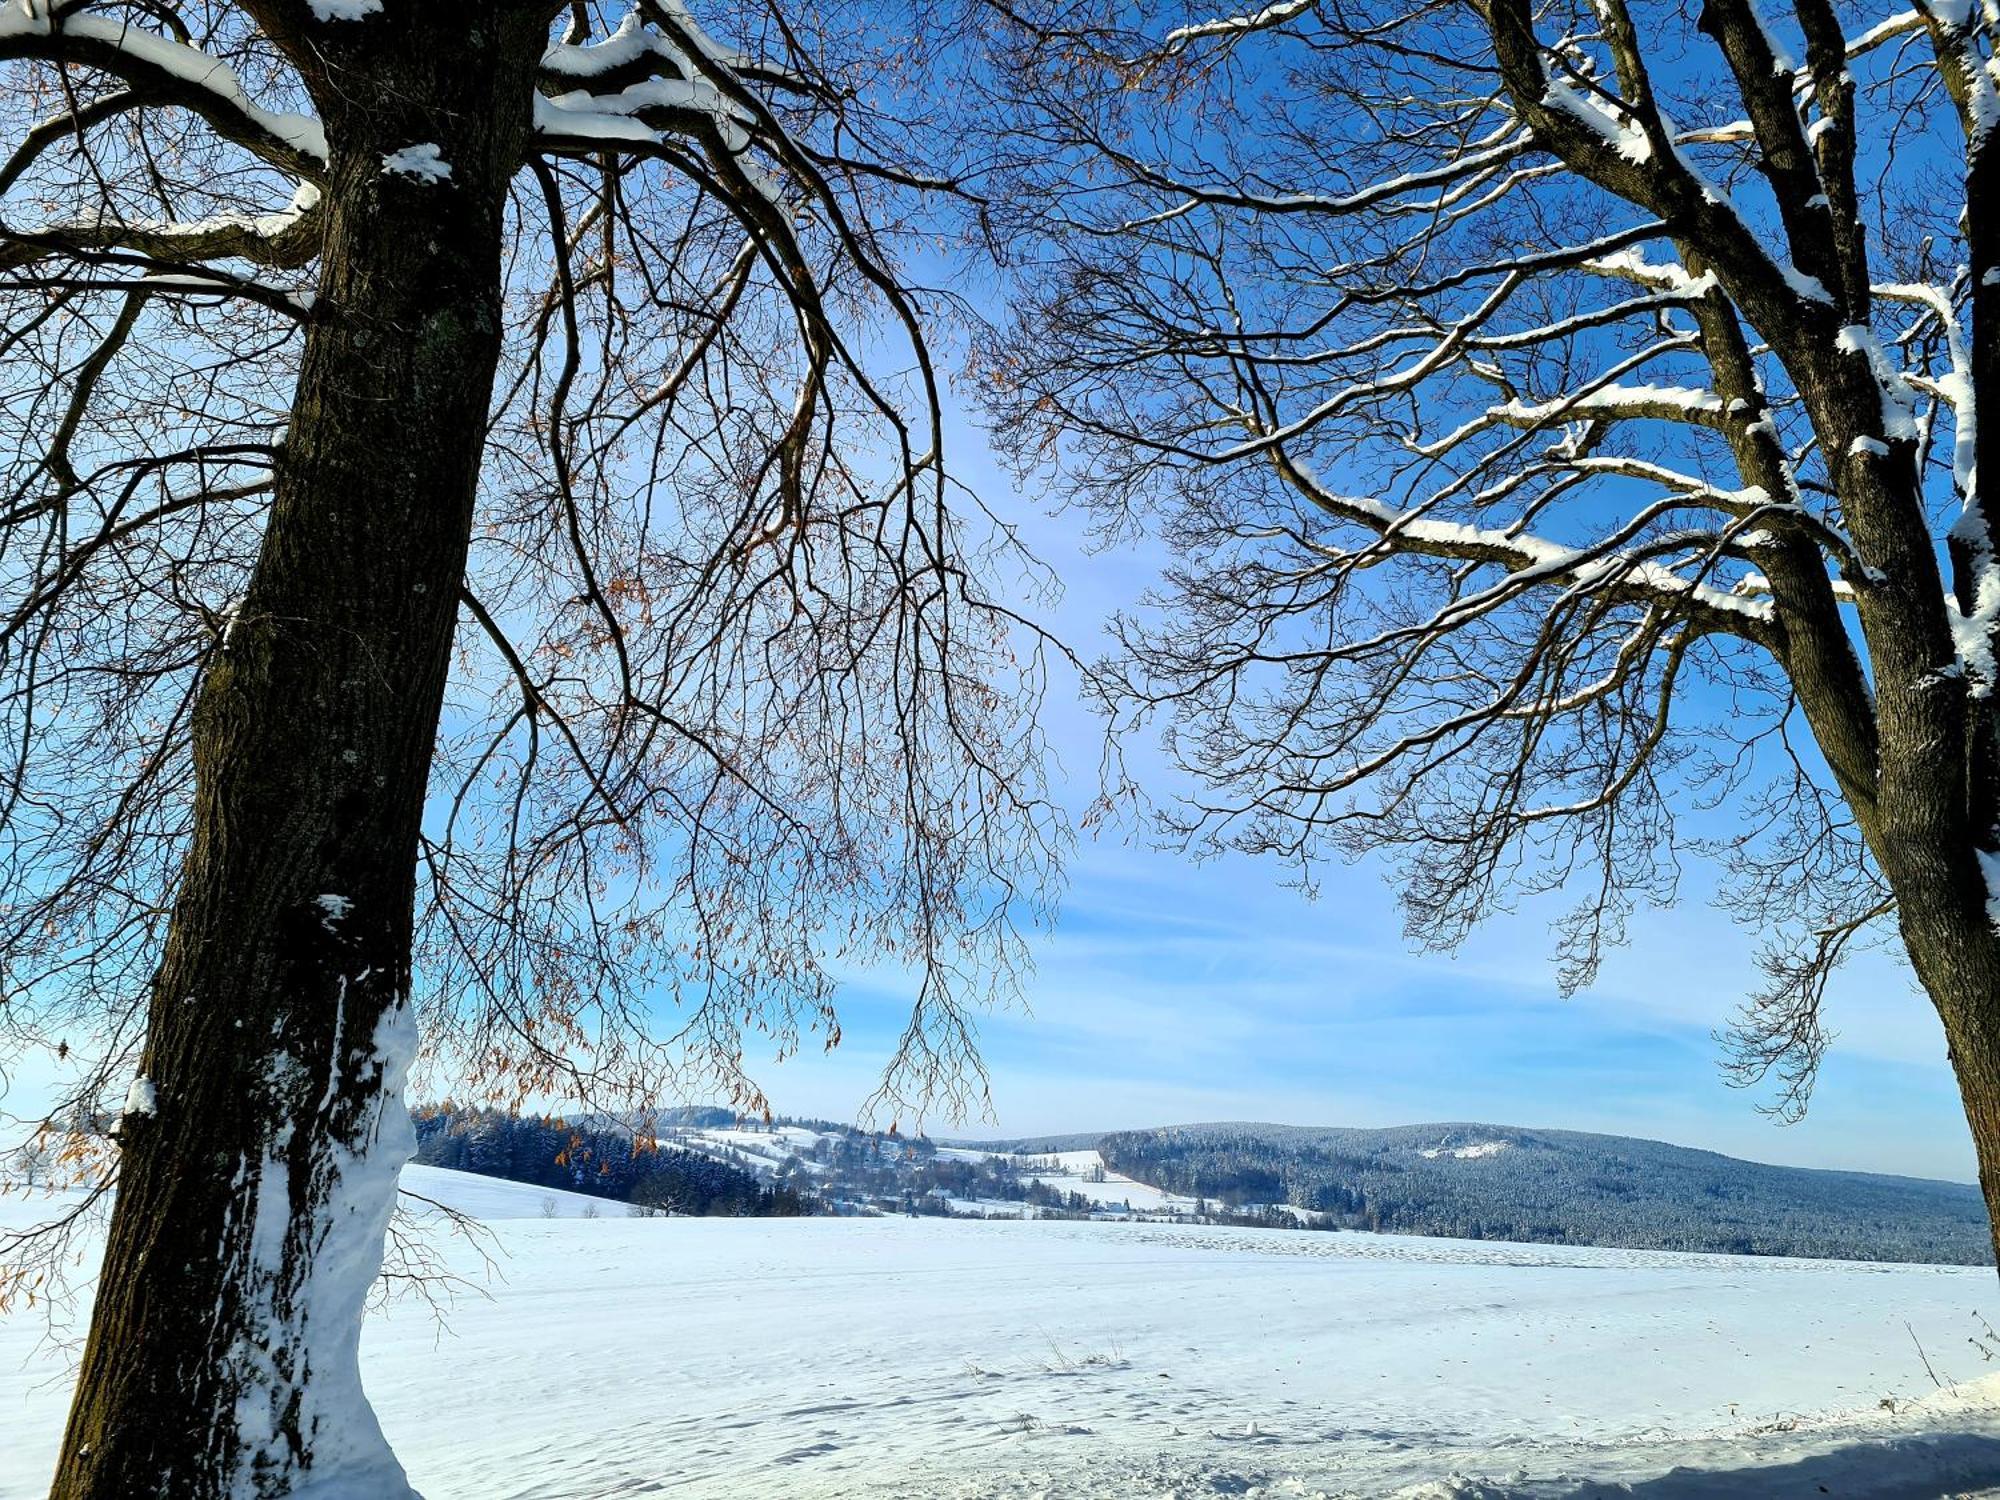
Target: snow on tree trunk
x=297, y=1361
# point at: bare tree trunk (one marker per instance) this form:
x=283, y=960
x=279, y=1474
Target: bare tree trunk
x=253, y=1200
x=1951, y=942
x=1975, y=1058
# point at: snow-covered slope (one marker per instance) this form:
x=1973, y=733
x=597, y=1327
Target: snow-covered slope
x=750, y=1146
x=877, y=1358
x=491, y=1198
x=768, y=1149
x=1081, y=1172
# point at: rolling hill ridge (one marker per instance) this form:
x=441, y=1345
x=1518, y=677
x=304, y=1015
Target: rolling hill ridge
x=1480, y=1181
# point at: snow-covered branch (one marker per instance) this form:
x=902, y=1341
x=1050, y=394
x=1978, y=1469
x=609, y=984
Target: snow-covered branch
x=162, y=70
x=287, y=238
x=1529, y=560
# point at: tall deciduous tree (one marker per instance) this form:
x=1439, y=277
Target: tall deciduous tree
x=475, y=562
x=1564, y=414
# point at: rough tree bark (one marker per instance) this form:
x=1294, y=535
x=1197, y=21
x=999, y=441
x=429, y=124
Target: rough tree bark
x=280, y=1026
x=1948, y=935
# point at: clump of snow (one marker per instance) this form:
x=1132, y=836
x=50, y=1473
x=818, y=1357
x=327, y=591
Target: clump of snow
x=333, y=910
x=1899, y=402
x=305, y=198
x=142, y=1098
x=1271, y=15
x=1989, y=866
x=579, y=114
x=1972, y=631
x=231, y=613
x=627, y=44
x=344, y=10
x=613, y=116
x=1617, y=128
x=1782, y=62
x=1620, y=398
x=1809, y=287
x=424, y=162
x=1667, y=275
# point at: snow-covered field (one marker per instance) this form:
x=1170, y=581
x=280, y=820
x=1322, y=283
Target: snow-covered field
x=873, y=1358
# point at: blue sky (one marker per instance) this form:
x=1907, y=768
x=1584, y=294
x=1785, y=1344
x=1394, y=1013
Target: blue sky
x=1172, y=991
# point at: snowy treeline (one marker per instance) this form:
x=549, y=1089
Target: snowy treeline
x=924, y=1182
x=1464, y=1181
x=608, y=1163
x=843, y=1169
x=712, y=1161
x=1562, y=1187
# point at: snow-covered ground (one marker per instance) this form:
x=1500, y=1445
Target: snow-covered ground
x=891, y=1357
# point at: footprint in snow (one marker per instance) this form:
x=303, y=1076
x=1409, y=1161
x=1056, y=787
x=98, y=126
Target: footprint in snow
x=811, y=1450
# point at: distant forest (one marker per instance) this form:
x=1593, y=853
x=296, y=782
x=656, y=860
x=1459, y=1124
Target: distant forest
x=850, y=1170
x=1467, y=1181
x=605, y=1162
x=1559, y=1187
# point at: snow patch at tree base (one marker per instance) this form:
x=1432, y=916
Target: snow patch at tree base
x=300, y=1352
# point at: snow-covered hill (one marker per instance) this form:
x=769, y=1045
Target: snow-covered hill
x=840, y=1163
x=897, y=1357
x=494, y=1198
x=1085, y=1173
x=1467, y=1181
x=1507, y=1182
